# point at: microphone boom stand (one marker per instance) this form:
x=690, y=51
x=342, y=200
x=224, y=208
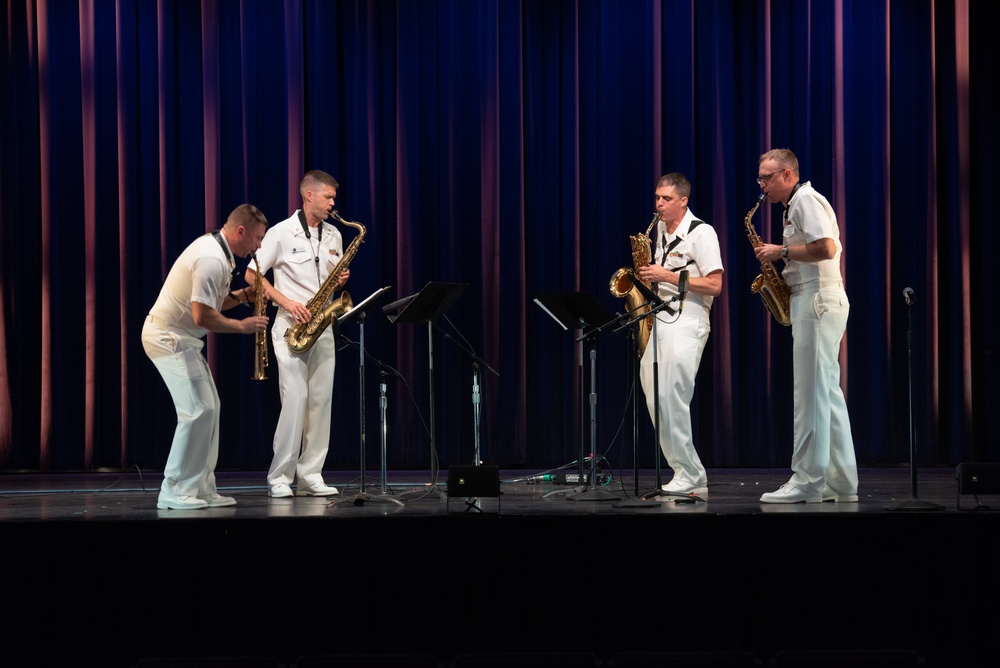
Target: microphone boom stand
x=914, y=503
x=477, y=362
x=657, y=305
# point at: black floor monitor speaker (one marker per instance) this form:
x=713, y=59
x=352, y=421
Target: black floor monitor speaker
x=466, y=481
x=978, y=478
x=473, y=483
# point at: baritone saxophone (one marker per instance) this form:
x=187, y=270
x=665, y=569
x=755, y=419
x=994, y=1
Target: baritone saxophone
x=769, y=285
x=260, y=360
x=623, y=283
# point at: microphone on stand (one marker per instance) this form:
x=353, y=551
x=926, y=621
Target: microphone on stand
x=682, y=287
x=908, y=296
x=399, y=303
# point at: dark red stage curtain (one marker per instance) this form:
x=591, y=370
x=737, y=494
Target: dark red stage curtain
x=512, y=146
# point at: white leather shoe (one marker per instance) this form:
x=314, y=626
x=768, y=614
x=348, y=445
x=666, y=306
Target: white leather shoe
x=680, y=487
x=171, y=502
x=316, y=490
x=837, y=497
x=279, y=491
x=217, y=500
x=789, y=493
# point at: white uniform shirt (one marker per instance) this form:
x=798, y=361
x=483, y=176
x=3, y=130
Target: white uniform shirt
x=203, y=274
x=292, y=255
x=810, y=217
x=697, y=251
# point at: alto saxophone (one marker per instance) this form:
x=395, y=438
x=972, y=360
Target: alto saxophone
x=260, y=341
x=303, y=336
x=623, y=282
x=769, y=284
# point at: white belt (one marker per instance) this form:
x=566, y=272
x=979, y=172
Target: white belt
x=163, y=324
x=796, y=289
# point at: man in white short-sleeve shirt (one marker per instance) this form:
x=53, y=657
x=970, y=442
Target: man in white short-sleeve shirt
x=824, y=467
x=190, y=304
x=683, y=243
x=302, y=251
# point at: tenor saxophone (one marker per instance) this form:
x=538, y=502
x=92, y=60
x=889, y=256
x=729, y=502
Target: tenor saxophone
x=769, y=285
x=622, y=282
x=303, y=336
x=260, y=341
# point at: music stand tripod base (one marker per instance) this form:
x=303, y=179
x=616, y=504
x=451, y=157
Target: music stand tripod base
x=593, y=494
x=363, y=497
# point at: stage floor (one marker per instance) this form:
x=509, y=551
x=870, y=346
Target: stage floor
x=92, y=574
x=32, y=497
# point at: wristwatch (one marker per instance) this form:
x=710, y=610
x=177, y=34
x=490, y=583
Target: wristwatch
x=784, y=252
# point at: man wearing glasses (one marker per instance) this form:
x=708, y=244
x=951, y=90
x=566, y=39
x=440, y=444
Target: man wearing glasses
x=823, y=461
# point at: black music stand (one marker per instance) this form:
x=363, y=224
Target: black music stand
x=427, y=306
x=357, y=312
x=580, y=310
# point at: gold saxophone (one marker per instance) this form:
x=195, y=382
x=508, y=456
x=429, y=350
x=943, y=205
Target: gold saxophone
x=260, y=341
x=622, y=282
x=769, y=284
x=303, y=336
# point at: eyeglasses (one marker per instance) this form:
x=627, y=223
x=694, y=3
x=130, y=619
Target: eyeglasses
x=761, y=180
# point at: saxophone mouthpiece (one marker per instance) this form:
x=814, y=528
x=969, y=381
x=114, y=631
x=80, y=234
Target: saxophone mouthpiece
x=337, y=217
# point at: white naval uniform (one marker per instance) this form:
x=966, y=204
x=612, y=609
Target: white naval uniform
x=172, y=340
x=305, y=380
x=680, y=340
x=823, y=447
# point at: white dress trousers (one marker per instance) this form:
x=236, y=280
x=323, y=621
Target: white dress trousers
x=194, y=452
x=305, y=382
x=678, y=349
x=823, y=447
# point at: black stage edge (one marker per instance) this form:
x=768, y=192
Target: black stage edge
x=98, y=577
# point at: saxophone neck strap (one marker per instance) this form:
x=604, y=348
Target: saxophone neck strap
x=305, y=229
x=667, y=248
x=795, y=189
x=225, y=249
x=305, y=226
